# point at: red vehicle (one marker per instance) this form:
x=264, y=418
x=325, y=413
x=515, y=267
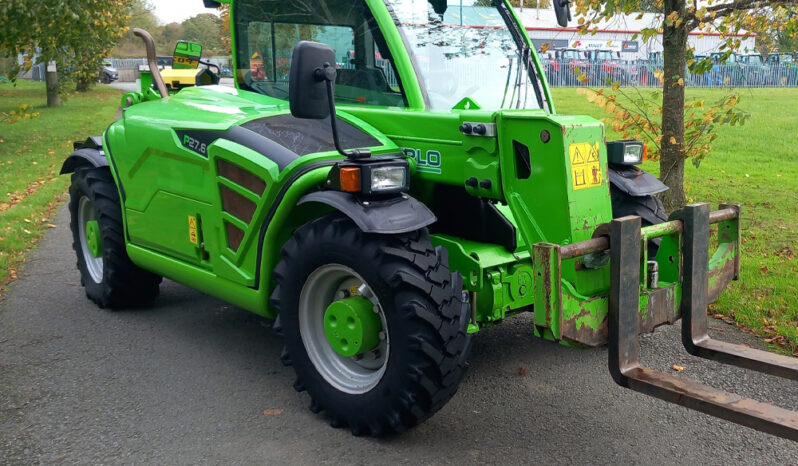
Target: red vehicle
x=607, y=67
x=568, y=65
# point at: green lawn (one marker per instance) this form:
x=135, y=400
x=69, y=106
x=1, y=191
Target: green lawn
x=755, y=165
x=31, y=153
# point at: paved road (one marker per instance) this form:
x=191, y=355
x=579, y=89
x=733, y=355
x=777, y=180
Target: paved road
x=188, y=381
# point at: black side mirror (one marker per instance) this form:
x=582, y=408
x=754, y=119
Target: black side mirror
x=562, y=9
x=439, y=6
x=312, y=71
x=311, y=88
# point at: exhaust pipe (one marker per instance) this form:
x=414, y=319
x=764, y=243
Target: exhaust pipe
x=152, y=60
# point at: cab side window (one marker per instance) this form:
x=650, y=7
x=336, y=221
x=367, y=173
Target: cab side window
x=266, y=38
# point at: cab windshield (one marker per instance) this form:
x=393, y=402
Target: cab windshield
x=465, y=49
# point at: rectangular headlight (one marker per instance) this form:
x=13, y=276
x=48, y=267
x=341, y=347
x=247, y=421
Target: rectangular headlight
x=633, y=153
x=388, y=179
x=628, y=152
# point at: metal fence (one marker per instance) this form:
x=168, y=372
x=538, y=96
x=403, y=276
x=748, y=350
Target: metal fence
x=645, y=74
x=135, y=63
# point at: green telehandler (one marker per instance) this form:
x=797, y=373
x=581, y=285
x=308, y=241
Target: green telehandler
x=387, y=178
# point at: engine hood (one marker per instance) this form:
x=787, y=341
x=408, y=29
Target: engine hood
x=225, y=111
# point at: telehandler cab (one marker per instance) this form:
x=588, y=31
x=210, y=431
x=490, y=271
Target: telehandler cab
x=387, y=178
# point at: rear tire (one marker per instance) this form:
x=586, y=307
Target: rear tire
x=425, y=324
x=111, y=279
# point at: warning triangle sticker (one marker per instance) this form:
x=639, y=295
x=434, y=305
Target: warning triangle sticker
x=577, y=158
x=594, y=153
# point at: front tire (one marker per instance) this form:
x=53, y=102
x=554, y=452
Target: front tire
x=106, y=271
x=421, y=357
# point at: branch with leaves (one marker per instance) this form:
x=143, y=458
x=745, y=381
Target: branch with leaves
x=635, y=115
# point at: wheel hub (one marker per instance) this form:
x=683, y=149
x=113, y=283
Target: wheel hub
x=93, y=238
x=351, y=326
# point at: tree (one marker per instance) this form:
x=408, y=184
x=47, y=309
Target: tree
x=204, y=28
x=678, y=18
x=98, y=29
x=74, y=34
x=140, y=15
x=168, y=35
x=224, y=29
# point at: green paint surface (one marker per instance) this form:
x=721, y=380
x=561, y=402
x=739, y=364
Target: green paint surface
x=561, y=200
x=94, y=239
x=351, y=326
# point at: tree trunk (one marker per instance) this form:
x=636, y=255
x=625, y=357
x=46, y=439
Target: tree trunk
x=674, y=43
x=51, y=81
x=83, y=85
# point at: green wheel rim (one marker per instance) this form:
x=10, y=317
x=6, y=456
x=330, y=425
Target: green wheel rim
x=331, y=283
x=352, y=327
x=87, y=220
x=93, y=238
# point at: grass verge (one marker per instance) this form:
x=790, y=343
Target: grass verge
x=31, y=153
x=755, y=165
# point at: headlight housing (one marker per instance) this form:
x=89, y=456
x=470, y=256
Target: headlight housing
x=391, y=178
x=627, y=152
x=370, y=177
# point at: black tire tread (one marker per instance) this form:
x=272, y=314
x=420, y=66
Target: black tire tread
x=431, y=296
x=124, y=284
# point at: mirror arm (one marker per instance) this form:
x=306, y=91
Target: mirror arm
x=328, y=77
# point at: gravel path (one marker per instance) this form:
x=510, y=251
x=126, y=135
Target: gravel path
x=194, y=380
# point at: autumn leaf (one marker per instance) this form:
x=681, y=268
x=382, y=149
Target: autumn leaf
x=522, y=371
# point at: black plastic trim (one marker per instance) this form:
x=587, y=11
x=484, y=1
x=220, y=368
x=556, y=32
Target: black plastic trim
x=634, y=181
x=240, y=135
x=94, y=157
x=399, y=214
x=92, y=142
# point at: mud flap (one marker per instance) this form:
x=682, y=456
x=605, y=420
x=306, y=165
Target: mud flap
x=624, y=347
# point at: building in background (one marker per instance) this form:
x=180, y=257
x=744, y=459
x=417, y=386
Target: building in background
x=617, y=35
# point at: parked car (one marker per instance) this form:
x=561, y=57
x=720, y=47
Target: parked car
x=108, y=73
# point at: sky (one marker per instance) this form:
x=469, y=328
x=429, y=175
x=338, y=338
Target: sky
x=175, y=11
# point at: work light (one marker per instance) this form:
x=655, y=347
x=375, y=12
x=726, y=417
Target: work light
x=388, y=179
x=627, y=152
x=370, y=176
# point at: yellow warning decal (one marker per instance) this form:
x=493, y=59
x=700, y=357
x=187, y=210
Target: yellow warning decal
x=192, y=229
x=193, y=62
x=585, y=165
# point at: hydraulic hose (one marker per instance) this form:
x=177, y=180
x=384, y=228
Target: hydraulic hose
x=152, y=61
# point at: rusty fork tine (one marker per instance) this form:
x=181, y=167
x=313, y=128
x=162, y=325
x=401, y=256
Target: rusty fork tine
x=695, y=253
x=624, y=349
